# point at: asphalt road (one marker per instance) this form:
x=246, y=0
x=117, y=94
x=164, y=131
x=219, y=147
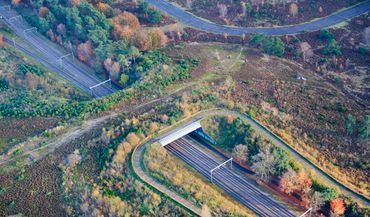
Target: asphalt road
x=239, y=188
x=49, y=54
x=207, y=26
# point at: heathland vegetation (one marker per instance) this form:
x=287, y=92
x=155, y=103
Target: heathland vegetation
x=124, y=40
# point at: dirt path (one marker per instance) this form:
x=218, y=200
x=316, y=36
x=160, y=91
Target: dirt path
x=34, y=154
x=38, y=147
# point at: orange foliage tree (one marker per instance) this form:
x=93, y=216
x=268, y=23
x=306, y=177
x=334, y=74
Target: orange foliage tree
x=125, y=25
x=295, y=182
x=1, y=40
x=16, y=2
x=85, y=52
x=43, y=11
x=337, y=206
x=153, y=38
x=157, y=37
x=104, y=8
x=133, y=139
x=73, y=2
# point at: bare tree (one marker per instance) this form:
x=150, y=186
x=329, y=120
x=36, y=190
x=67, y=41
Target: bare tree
x=367, y=35
x=189, y=3
x=316, y=200
x=241, y=152
x=293, y=9
x=288, y=182
x=244, y=8
x=205, y=211
x=264, y=164
x=222, y=8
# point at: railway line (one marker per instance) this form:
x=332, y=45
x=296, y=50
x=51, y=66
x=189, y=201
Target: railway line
x=54, y=57
x=238, y=187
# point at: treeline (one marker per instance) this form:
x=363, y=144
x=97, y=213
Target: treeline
x=277, y=47
x=28, y=91
x=104, y=38
x=270, y=162
x=359, y=128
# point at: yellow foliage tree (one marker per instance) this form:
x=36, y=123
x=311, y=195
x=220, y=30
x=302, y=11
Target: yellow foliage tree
x=133, y=139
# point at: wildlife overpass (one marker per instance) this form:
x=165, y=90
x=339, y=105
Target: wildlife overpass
x=179, y=143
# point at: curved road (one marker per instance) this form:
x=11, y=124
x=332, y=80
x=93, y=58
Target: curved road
x=193, y=21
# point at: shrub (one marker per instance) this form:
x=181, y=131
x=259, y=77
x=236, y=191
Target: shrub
x=332, y=48
x=271, y=45
x=363, y=51
x=326, y=35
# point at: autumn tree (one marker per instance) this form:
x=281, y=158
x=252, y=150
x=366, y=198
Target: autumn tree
x=122, y=150
x=73, y=2
x=61, y=29
x=304, y=181
x=125, y=25
x=141, y=41
x=153, y=127
x=85, y=52
x=1, y=40
x=73, y=159
x=288, y=182
x=43, y=11
x=112, y=67
x=133, y=139
x=292, y=181
x=157, y=37
x=164, y=118
x=104, y=8
x=16, y=2
x=337, y=206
